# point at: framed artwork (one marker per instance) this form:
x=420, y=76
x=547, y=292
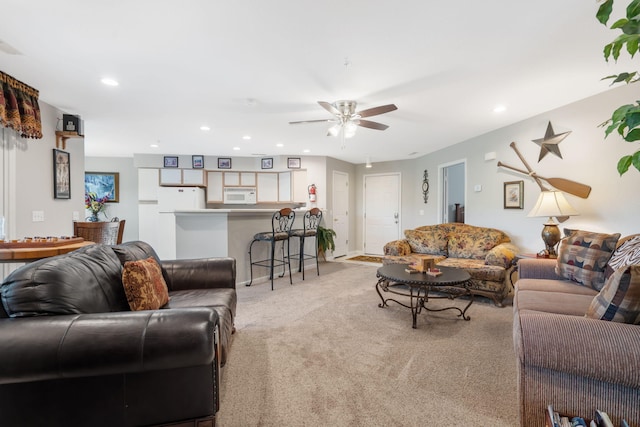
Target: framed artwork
x=104, y=184
x=514, y=195
x=267, y=163
x=197, y=162
x=170, y=161
x=61, y=175
x=224, y=163
x=293, y=162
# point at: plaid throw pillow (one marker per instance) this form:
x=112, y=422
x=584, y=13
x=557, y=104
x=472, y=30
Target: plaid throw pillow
x=619, y=299
x=583, y=257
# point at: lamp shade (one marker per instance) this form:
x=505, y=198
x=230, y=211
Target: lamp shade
x=552, y=203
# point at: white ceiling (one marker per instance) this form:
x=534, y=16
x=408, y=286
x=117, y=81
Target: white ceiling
x=249, y=67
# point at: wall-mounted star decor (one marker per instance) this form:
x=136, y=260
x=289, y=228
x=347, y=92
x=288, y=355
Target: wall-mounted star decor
x=550, y=142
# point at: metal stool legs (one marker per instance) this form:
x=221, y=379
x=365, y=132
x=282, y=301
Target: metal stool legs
x=302, y=255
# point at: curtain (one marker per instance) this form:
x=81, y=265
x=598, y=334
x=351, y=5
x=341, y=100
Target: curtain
x=19, y=109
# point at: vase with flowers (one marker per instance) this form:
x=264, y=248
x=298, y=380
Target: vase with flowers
x=95, y=205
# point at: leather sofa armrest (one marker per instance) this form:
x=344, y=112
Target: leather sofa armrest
x=205, y=273
x=539, y=268
x=397, y=248
x=53, y=347
x=590, y=348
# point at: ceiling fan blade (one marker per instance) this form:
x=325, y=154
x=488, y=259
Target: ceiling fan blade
x=313, y=121
x=371, y=125
x=330, y=108
x=377, y=110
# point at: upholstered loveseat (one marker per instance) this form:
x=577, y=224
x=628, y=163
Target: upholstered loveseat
x=486, y=253
x=576, y=330
x=75, y=354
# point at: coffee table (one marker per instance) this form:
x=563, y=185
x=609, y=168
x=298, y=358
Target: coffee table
x=419, y=287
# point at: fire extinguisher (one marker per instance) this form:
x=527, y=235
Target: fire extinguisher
x=312, y=193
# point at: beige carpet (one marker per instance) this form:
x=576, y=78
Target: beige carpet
x=322, y=353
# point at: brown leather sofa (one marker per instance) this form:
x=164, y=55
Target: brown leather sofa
x=73, y=354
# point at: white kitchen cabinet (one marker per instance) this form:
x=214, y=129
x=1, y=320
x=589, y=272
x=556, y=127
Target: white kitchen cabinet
x=148, y=183
x=182, y=177
x=248, y=179
x=170, y=177
x=267, y=186
x=193, y=177
x=231, y=178
x=299, y=186
x=214, y=187
x=284, y=186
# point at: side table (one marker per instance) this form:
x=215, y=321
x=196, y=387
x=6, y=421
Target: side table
x=518, y=257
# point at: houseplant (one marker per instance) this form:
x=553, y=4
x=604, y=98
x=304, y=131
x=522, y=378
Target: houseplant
x=625, y=119
x=325, y=240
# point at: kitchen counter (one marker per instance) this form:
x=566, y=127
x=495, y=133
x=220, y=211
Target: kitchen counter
x=202, y=233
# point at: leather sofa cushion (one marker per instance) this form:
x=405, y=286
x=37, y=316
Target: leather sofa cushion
x=84, y=281
x=143, y=285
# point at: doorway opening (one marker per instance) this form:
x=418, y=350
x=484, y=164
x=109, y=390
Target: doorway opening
x=453, y=191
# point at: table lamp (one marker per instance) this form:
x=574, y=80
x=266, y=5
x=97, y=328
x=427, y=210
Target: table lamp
x=550, y=204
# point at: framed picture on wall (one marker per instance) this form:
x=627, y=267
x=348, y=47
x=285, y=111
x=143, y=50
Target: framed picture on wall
x=197, y=162
x=267, y=163
x=293, y=162
x=170, y=161
x=104, y=184
x=61, y=175
x=514, y=195
x=224, y=163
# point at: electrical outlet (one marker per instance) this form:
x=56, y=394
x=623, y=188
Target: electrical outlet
x=477, y=188
x=37, y=216
x=421, y=212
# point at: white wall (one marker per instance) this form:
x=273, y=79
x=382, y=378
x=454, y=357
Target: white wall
x=588, y=158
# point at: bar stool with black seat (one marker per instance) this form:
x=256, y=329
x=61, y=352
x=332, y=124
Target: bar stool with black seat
x=281, y=223
x=311, y=222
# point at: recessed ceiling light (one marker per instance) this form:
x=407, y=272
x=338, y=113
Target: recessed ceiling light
x=205, y=128
x=280, y=144
x=246, y=137
x=306, y=151
x=499, y=109
x=153, y=145
x=236, y=148
x=109, y=82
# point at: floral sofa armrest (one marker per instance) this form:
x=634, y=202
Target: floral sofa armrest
x=502, y=255
x=397, y=248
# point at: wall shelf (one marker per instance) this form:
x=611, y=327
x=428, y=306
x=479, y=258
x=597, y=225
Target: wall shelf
x=61, y=138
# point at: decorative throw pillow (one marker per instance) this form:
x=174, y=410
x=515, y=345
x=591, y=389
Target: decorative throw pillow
x=144, y=285
x=619, y=299
x=628, y=253
x=583, y=257
x=432, y=241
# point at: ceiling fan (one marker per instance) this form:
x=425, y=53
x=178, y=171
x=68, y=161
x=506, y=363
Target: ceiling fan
x=348, y=119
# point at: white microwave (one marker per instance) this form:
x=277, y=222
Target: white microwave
x=239, y=195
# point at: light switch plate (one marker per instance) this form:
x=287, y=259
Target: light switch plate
x=37, y=216
x=477, y=188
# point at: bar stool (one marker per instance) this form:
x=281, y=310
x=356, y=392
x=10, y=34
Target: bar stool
x=281, y=223
x=311, y=222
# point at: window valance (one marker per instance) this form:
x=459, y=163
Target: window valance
x=19, y=109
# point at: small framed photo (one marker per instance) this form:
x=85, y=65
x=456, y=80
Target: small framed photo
x=224, y=163
x=293, y=162
x=197, y=162
x=267, y=163
x=514, y=195
x=104, y=184
x=61, y=175
x=170, y=161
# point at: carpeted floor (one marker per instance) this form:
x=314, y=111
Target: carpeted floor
x=322, y=353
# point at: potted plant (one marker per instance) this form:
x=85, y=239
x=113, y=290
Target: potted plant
x=325, y=237
x=625, y=120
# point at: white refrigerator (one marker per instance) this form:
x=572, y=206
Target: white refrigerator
x=180, y=198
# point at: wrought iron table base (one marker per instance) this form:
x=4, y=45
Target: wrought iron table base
x=419, y=297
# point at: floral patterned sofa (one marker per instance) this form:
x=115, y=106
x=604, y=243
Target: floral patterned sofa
x=486, y=253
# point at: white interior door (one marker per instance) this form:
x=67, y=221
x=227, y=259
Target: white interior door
x=381, y=211
x=341, y=212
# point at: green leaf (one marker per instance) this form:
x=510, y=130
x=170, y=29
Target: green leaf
x=632, y=136
x=607, y=51
x=620, y=23
x=633, y=118
x=636, y=160
x=633, y=10
x=623, y=164
x=617, y=47
x=604, y=11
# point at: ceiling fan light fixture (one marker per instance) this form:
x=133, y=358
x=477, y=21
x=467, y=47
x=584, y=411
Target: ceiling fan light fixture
x=350, y=129
x=334, y=130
